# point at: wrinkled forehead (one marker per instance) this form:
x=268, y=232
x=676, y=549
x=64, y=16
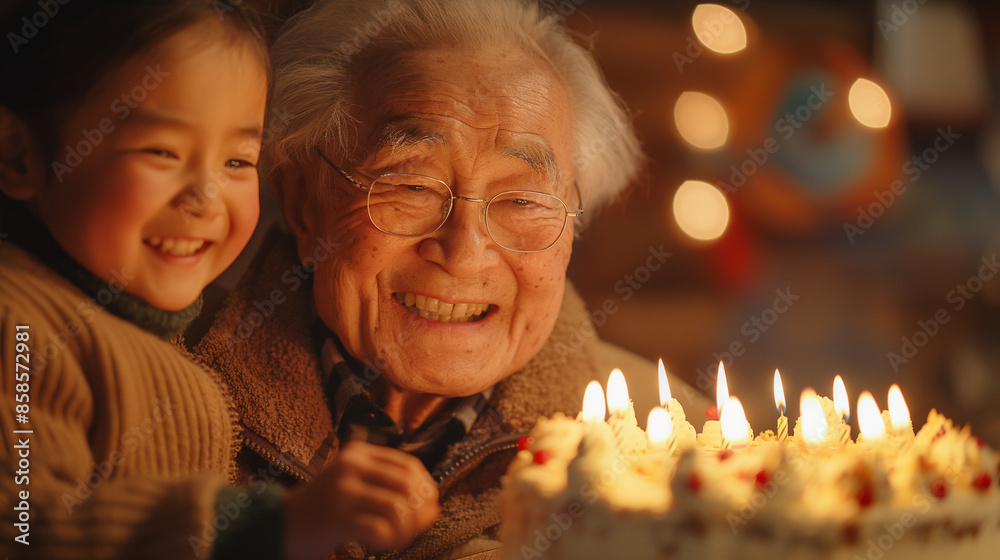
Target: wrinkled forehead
x=507, y=101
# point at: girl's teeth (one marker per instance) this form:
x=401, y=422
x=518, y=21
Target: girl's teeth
x=176, y=247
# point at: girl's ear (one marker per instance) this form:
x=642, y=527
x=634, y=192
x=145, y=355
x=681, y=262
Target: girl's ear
x=22, y=168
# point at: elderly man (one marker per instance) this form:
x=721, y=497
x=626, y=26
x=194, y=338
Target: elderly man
x=434, y=160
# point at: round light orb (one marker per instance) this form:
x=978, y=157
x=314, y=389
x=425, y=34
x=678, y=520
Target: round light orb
x=869, y=103
x=701, y=120
x=701, y=210
x=719, y=28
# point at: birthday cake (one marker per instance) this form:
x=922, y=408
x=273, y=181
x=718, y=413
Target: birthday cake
x=593, y=489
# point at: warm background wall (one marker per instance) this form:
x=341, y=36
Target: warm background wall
x=870, y=249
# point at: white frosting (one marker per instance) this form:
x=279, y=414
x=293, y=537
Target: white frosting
x=599, y=494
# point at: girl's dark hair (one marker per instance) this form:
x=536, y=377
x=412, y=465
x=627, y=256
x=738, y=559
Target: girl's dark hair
x=55, y=53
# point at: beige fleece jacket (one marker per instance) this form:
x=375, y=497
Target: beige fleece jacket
x=267, y=354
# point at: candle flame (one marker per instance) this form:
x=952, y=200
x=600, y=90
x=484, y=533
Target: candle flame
x=617, y=392
x=840, y=402
x=813, y=419
x=899, y=413
x=721, y=389
x=593, y=402
x=659, y=426
x=869, y=417
x=734, y=421
x=779, y=393
x=665, y=396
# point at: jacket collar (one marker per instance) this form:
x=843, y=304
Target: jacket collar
x=262, y=343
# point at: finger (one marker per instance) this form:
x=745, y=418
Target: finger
x=376, y=532
x=388, y=456
x=390, y=468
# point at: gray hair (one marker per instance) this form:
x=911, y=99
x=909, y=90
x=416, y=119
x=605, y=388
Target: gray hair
x=315, y=53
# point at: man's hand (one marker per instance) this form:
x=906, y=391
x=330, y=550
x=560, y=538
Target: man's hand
x=378, y=496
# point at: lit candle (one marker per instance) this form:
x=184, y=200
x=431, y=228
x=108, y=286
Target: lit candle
x=735, y=428
x=813, y=419
x=711, y=432
x=665, y=398
x=843, y=408
x=899, y=413
x=870, y=419
x=660, y=430
x=618, y=401
x=779, y=402
x=593, y=403
x=721, y=390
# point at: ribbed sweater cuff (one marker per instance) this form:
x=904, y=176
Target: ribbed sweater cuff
x=250, y=523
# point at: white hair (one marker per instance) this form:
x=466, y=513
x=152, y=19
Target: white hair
x=316, y=52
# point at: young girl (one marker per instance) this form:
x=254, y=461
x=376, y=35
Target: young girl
x=129, y=136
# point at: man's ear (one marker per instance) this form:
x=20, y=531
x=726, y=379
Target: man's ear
x=291, y=189
x=22, y=168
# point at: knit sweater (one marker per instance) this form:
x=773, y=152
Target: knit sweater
x=262, y=344
x=130, y=440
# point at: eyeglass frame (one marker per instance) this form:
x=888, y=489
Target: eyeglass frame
x=485, y=204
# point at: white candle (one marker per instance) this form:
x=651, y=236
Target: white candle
x=843, y=408
x=660, y=430
x=870, y=419
x=813, y=419
x=735, y=428
x=779, y=403
x=593, y=403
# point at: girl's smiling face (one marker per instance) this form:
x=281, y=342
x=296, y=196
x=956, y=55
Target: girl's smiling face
x=155, y=180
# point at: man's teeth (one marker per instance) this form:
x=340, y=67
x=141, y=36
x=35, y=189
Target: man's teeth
x=437, y=310
x=176, y=247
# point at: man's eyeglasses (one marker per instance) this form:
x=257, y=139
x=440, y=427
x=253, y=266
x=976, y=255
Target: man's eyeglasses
x=410, y=205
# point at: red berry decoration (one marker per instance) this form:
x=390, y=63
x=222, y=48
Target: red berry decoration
x=762, y=479
x=983, y=482
x=725, y=454
x=542, y=456
x=979, y=441
x=525, y=442
x=712, y=413
x=694, y=483
x=939, y=488
x=865, y=496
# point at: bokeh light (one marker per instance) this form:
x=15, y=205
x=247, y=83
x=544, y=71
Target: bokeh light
x=869, y=103
x=701, y=120
x=719, y=28
x=701, y=210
